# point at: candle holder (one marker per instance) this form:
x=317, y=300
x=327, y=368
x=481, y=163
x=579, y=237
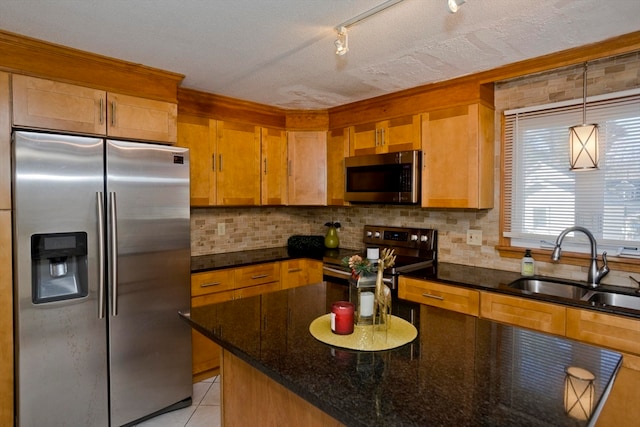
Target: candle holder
x=362, y=295
x=579, y=392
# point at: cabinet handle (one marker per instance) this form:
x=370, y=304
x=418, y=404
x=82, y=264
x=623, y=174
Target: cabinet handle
x=294, y=270
x=206, y=285
x=265, y=166
x=213, y=162
x=220, y=162
x=113, y=113
x=259, y=276
x=289, y=168
x=428, y=295
x=377, y=140
x=101, y=111
x=382, y=136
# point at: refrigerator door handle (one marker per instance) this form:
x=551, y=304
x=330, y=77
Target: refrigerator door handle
x=114, y=254
x=101, y=274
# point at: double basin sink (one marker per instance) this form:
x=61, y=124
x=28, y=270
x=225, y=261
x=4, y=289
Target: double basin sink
x=575, y=291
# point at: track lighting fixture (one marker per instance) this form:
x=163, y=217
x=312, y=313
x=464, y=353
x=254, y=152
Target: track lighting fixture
x=342, y=45
x=583, y=139
x=342, y=42
x=454, y=5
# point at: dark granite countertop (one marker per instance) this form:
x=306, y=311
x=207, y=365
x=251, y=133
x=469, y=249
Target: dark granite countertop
x=455, y=274
x=461, y=370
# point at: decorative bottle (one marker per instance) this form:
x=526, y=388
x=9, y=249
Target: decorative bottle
x=528, y=264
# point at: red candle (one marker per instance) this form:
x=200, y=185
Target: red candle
x=342, y=317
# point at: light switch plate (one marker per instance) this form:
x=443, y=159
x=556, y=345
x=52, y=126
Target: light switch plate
x=474, y=237
x=221, y=229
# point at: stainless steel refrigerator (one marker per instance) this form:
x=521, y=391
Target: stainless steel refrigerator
x=102, y=266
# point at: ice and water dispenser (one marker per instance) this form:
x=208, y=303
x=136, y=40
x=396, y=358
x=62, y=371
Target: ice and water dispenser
x=59, y=266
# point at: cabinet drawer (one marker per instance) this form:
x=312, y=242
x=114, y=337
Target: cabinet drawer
x=214, y=298
x=536, y=315
x=448, y=297
x=607, y=330
x=257, y=274
x=210, y=282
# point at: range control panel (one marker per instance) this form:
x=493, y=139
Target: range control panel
x=415, y=239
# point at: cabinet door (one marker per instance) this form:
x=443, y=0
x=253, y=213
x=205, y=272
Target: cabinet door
x=363, y=139
x=402, y=134
x=530, y=314
x=307, y=168
x=607, y=330
x=140, y=118
x=6, y=320
x=210, y=282
x=273, y=176
x=196, y=134
x=337, y=150
x=46, y=104
x=5, y=144
x=457, y=164
x=205, y=357
x=452, y=298
x=238, y=164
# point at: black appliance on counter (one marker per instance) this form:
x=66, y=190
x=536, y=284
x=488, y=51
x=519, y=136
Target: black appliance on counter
x=416, y=253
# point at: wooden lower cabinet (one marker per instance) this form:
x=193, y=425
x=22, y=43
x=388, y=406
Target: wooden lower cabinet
x=250, y=398
x=454, y=298
x=605, y=330
x=540, y=316
x=216, y=286
x=300, y=272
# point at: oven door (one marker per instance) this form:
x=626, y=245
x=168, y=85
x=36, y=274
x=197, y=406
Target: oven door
x=335, y=274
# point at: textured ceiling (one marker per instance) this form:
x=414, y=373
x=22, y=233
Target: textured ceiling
x=281, y=52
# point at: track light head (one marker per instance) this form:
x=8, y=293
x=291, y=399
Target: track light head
x=454, y=5
x=342, y=42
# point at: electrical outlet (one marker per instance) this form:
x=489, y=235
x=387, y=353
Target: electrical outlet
x=221, y=229
x=474, y=237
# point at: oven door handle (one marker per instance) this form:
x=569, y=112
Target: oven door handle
x=337, y=271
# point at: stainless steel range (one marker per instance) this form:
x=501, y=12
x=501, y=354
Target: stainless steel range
x=415, y=250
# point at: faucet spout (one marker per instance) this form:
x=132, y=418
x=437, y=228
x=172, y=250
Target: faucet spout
x=595, y=274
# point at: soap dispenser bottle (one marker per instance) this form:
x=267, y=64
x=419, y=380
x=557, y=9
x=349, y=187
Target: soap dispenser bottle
x=528, y=264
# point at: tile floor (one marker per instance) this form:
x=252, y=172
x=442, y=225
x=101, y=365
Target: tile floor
x=204, y=411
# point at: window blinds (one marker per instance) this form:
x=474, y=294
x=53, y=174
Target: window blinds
x=543, y=197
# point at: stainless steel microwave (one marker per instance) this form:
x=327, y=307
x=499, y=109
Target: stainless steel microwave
x=383, y=178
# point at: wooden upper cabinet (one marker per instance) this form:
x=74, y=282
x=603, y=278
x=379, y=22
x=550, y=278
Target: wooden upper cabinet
x=273, y=175
x=386, y=136
x=337, y=150
x=198, y=134
x=237, y=164
x=457, y=163
x=47, y=104
x=139, y=118
x=307, y=168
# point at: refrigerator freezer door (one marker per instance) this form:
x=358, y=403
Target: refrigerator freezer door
x=61, y=349
x=150, y=347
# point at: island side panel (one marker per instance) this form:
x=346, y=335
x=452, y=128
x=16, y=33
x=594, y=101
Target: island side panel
x=250, y=398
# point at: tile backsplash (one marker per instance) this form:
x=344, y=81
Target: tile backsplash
x=262, y=227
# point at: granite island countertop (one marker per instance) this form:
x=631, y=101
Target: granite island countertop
x=461, y=370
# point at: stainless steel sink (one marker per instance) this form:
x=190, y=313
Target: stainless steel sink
x=616, y=300
x=549, y=287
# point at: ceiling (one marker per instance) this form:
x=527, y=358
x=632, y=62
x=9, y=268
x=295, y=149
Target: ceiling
x=281, y=52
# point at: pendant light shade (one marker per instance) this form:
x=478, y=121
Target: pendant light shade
x=583, y=139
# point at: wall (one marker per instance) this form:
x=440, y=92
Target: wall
x=255, y=228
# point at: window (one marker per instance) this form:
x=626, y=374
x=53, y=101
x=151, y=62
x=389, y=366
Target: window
x=543, y=197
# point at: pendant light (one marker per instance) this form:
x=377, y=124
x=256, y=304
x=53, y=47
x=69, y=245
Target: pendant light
x=583, y=139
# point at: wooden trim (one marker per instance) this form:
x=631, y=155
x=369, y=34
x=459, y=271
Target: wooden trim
x=5, y=143
x=6, y=321
x=203, y=104
x=307, y=120
x=24, y=55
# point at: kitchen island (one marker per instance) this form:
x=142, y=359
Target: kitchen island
x=460, y=370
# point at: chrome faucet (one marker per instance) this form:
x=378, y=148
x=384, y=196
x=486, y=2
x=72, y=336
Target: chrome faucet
x=595, y=274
